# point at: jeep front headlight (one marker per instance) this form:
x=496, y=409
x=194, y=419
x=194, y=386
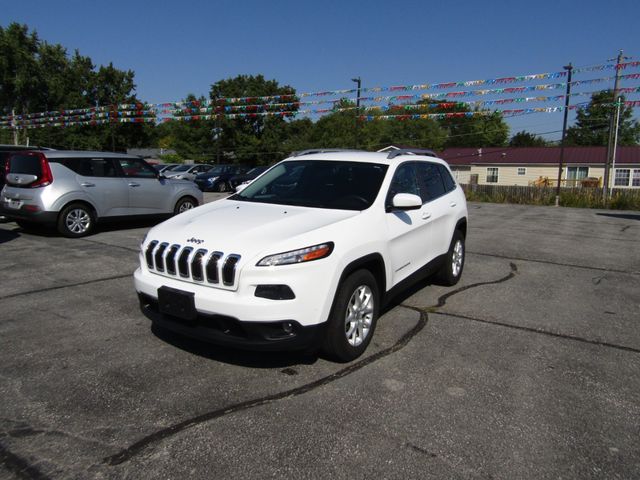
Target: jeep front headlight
x=307, y=254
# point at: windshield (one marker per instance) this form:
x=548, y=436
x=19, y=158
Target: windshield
x=318, y=183
x=215, y=171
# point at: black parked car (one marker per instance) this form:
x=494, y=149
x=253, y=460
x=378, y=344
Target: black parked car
x=217, y=179
x=246, y=177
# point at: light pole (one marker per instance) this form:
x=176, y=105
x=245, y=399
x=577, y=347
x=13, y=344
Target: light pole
x=216, y=132
x=569, y=69
x=358, y=81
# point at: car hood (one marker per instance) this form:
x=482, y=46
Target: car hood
x=247, y=228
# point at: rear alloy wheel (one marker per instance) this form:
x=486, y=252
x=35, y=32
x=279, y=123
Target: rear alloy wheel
x=76, y=220
x=451, y=270
x=353, y=317
x=184, y=204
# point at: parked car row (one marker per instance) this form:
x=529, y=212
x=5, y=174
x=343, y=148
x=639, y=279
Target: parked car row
x=212, y=178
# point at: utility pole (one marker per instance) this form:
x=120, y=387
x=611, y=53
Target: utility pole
x=567, y=96
x=615, y=144
x=612, y=120
x=14, y=124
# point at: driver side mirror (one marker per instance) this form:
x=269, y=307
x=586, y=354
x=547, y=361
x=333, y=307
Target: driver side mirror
x=405, y=201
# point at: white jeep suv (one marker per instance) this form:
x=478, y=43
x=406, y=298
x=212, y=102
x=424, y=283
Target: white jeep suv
x=308, y=253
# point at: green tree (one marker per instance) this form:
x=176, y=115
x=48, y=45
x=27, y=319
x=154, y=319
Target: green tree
x=36, y=76
x=479, y=128
x=592, y=123
x=253, y=138
x=526, y=139
x=338, y=129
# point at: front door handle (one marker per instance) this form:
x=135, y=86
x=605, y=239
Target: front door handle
x=88, y=184
x=133, y=184
x=426, y=215
x=452, y=204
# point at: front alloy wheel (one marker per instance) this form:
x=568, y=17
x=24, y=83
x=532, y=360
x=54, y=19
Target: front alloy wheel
x=353, y=317
x=184, y=204
x=359, y=316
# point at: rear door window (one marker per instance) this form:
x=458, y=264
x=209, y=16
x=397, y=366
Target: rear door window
x=449, y=182
x=89, y=167
x=132, y=167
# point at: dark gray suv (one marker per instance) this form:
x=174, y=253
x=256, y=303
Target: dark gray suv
x=73, y=189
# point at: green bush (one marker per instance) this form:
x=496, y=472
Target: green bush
x=576, y=197
x=171, y=158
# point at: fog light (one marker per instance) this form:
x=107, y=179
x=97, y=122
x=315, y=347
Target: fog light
x=287, y=327
x=275, y=292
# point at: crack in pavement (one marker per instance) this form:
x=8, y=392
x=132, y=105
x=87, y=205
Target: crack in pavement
x=442, y=300
x=19, y=466
x=136, y=448
x=68, y=285
x=549, y=262
x=96, y=242
x=159, y=435
x=542, y=332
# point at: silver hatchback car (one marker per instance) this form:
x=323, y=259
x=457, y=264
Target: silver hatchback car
x=74, y=190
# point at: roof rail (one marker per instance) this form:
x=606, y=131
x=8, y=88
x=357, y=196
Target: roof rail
x=322, y=150
x=410, y=151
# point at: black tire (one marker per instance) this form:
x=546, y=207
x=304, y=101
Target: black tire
x=221, y=187
x=76, y=220
x=338, y=344
x=451, y=270
x=184, y=204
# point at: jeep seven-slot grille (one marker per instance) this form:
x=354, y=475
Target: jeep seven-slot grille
x=188, y=263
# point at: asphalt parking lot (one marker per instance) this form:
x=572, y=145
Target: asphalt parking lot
x=529, y=368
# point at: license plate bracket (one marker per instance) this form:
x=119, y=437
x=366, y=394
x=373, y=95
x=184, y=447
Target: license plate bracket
x=14, y=204
x=177, y=303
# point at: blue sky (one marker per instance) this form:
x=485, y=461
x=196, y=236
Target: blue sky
x=176, y=48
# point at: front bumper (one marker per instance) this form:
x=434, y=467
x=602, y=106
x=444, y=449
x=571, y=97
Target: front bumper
x=229, y=331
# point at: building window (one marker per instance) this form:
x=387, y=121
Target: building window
x=492, y=174
x=622, y=177
x=522, y=171
x=635, y=180
x=575, y=174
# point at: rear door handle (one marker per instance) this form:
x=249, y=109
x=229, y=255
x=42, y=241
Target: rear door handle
x=452, y=204
x=133, y=184
x=426, y=215
x=88, y=184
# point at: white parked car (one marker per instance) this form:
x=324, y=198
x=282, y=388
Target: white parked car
x=187, y=172
x=307, y=253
